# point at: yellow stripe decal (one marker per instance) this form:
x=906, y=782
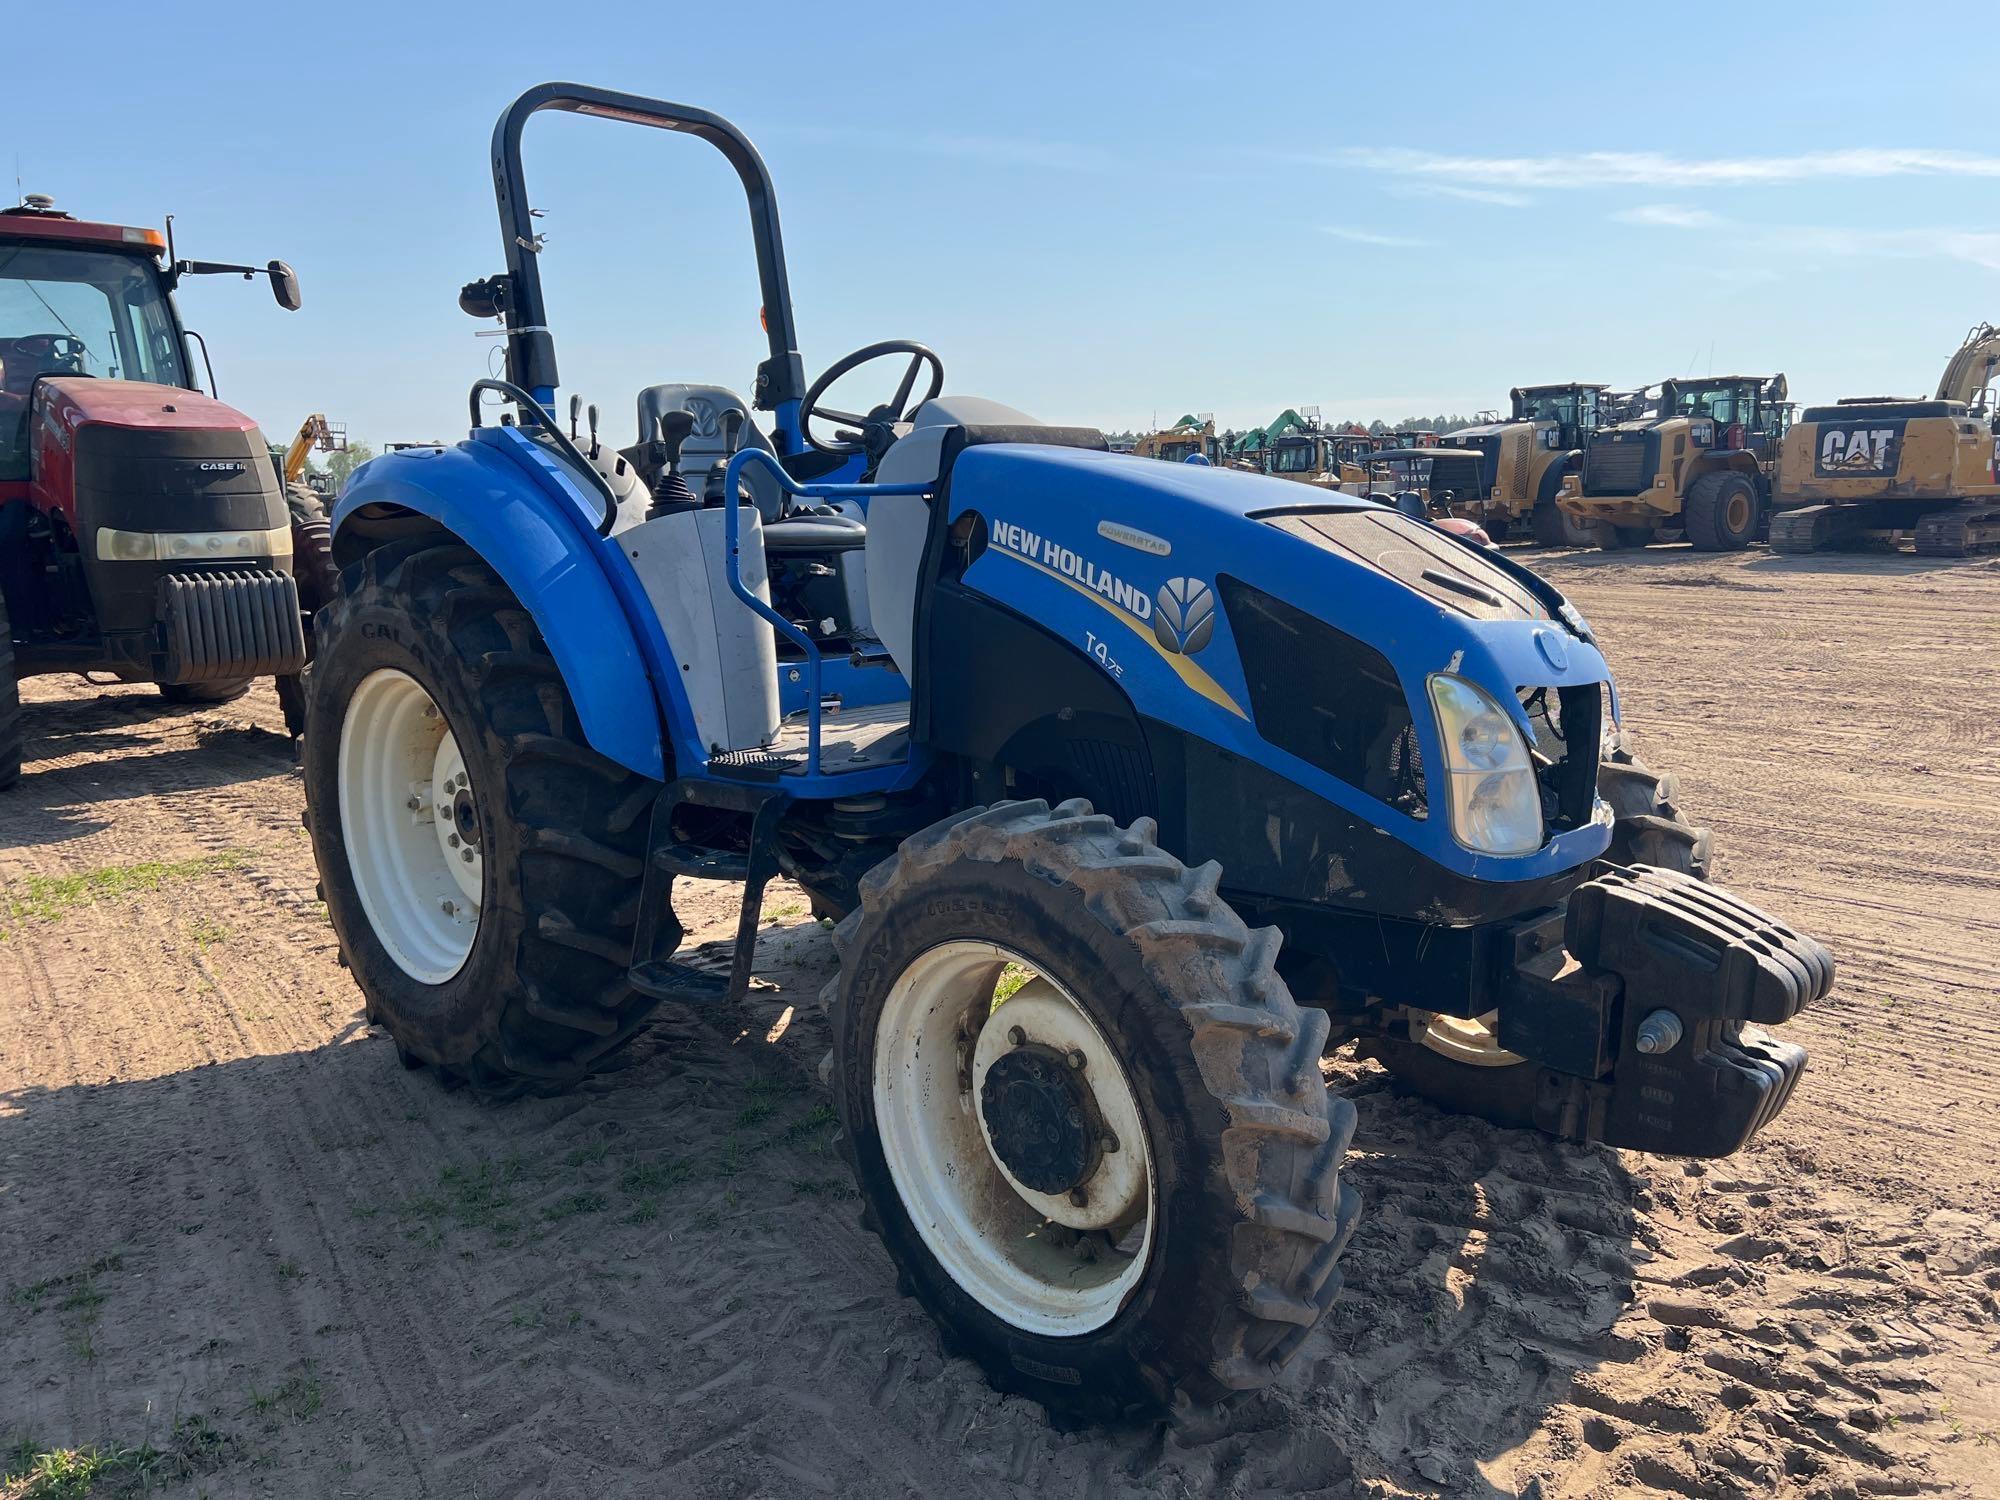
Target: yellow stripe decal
x=1190, y=674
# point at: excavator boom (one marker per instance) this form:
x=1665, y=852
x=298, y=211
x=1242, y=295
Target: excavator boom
x=1969, y=374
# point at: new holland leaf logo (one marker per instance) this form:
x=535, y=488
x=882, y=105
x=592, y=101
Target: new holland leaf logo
x=1184, y=616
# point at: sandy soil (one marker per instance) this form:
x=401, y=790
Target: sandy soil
x=234, y=1230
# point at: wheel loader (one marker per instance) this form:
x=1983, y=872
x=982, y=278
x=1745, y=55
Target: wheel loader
x=1218, y=771
x=144, y=533
x=1701, y=461
x=1875, y=466
x=1534, y=457
x=1189, y=437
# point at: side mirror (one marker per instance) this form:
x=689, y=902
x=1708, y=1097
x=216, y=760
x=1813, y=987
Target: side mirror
x=285, y=286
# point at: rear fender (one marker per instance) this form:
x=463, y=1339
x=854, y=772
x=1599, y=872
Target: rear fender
x=516, y=523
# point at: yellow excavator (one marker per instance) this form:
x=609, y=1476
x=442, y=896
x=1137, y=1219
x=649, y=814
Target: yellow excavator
x=1189, y=436
x=1873, y=466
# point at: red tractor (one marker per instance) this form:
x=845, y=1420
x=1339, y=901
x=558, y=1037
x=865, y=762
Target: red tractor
x=144, y=532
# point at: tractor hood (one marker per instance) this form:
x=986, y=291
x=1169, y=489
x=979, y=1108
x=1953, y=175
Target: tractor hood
x=1171, y=578
x=71, y=401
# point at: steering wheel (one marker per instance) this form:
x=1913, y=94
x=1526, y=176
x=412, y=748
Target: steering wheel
x=872, y=433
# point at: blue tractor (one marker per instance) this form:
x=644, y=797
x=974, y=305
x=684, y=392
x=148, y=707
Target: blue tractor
x=1132, y=787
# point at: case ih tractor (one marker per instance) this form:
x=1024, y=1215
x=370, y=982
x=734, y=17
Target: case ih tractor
x=143, y=530
x=1217, y=771
x=1703, y=460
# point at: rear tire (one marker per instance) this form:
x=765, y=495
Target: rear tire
x=539, y=997
x=1623, y=538
x=1556, y=527
x=205, y=692
x=10, y=706
x=1246, y=1212
x=1721, y=512
x=318, y=581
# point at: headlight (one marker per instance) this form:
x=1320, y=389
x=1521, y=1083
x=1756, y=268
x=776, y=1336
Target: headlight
x=1496, y=807
x=114, y=545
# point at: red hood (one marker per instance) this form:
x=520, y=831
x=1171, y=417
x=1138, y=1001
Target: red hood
x=76, y=400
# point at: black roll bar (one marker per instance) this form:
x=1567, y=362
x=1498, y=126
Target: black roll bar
x=531, y=353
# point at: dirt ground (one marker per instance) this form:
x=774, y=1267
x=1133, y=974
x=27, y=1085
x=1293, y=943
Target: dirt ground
x=246, y=1253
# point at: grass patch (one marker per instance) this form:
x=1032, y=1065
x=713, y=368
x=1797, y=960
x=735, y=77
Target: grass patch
x=643, y=1178
x=49, y=898
x=1012, y=977
x=571, y=1205
x=832, y=1189
x=297, y=1399
x=205, y=933
x=31, y=1471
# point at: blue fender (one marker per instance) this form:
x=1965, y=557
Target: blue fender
x=531, y=529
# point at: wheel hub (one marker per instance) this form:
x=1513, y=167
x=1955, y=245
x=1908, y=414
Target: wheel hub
x=1041, y=1121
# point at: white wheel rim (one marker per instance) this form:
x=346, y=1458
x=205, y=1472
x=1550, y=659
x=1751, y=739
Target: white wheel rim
x=1043, y=1264
x=409, y=818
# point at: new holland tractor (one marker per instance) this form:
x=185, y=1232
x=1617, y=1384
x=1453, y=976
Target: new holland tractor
x=1217, y=771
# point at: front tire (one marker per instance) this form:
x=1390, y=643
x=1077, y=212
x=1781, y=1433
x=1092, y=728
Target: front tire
x=318, y=581
x=434, y=687
x=1623, y=538
x=10, y=706
x=1212, y=1270
x=1648, y=828
x=1556, y=527
x=1721, y=512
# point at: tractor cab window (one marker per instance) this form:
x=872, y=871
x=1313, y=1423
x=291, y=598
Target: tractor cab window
x=1292, y=458
x=76, y=312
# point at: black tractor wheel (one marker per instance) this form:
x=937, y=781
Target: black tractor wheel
x=480, y=862
x=1085, y=1114
x=10, y=706
x=1647, y=826
x=205, y=692
x=1556, y=527
x=1458, y=1065
x=1623, y=538
x=1721, y=512
x=318, y=581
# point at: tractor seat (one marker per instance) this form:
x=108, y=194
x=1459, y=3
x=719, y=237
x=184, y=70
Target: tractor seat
x=706, y=445
x=814, y=530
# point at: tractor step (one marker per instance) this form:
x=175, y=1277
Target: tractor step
x=659, y=931
x=663, y=979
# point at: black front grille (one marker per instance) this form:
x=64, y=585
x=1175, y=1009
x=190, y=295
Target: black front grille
x=1615, y=467
x=1329, y=699
x=1568, y=726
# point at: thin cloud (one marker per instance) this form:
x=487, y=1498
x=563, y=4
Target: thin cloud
x=1493, y=196
x=1370, y=237
x=1669, y=216
x=1656, y=169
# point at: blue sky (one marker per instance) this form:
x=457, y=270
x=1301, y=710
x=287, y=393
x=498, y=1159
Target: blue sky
x=1101, y=213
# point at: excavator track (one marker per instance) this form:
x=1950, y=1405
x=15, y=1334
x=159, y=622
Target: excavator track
x=1964, y=532
x=1821, y=528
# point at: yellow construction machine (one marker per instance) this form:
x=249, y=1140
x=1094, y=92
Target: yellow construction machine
x=1875, y=466
x=1533, y=457
x=1180, y=442
x=1701, y=459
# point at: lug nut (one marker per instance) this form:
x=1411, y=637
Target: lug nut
x=1017, y=1036
x=1109, y=1143
x=1659, y=1032
x=448, y=908
x=451, y=839
x=1079, y=1197
x=466, y=855
x=1077, y=1060
x=415, y=804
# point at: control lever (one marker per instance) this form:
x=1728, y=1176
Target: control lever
x=670, y=489
x=732, y=424
x=593, y=427
x=575, y=409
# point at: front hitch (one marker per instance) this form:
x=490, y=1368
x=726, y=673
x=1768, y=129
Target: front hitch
x=1642, y=1000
